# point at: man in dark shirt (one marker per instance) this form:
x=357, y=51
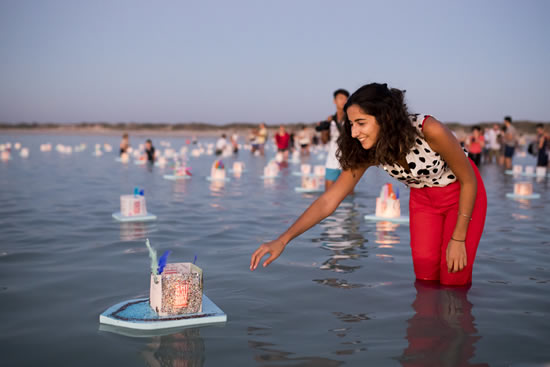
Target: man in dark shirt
x=150, y=151
x=542, y=147
x=510, y=142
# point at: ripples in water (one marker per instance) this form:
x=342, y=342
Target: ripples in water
x=343, y=293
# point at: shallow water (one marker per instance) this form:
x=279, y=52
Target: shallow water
x=341, y=294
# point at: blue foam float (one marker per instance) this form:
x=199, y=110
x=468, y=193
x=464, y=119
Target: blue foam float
x=512, y=173
x=300, y=174
x=209, y=178
x=515, y=196
x=401, y=219
x=301, y=189
x=135, y=218
x=176, y=178
x=523, y=174
x=137, y=314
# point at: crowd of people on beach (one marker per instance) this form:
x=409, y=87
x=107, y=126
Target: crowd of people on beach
x=485, y=144
x=499, y=144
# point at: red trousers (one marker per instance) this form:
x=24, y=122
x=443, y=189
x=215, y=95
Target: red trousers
x=433, y=212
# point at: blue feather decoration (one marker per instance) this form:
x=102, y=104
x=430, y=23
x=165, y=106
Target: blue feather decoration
x=162, y=261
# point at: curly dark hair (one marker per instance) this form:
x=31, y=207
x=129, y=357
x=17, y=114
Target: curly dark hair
x=396, y=136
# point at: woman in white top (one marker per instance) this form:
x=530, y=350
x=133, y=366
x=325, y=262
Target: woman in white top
x=304, y=140
x=447, y=202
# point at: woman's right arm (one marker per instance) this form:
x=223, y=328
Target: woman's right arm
x=319, y=210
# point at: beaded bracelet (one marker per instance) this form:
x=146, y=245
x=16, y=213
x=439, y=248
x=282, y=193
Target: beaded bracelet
x=464, y=215
x=457, y=240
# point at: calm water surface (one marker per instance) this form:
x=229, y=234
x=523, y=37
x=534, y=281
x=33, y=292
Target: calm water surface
x=341, y=294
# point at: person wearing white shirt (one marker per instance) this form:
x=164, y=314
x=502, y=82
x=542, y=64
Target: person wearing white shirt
x=330, y=131
x=491, y=141
x=220, y=144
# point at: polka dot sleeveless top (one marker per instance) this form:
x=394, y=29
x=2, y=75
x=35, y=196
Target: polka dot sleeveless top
x=427, y=168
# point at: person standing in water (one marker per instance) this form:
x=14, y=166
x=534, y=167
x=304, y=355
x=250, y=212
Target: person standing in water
x=261, y=138
x=447, y=204
x=304, y=140
x=491, y=139
x=475, y=144
x=150, y=151
x=510, y=142
x=235, y=142
x=282, y=139
x=124, y=144
x=542, y=147
x=330, y=131
x=221, y=143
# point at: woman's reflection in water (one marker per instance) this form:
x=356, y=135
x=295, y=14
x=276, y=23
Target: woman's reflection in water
x=184, y=349
x=442, y=331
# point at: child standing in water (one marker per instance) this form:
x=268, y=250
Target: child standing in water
x=447, y=204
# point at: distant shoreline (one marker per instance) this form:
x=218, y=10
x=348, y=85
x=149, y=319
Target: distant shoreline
x=198, y=129
x=112, y=132
x=138, y=129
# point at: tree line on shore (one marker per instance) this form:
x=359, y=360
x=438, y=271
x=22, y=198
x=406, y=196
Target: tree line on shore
x=526, y=127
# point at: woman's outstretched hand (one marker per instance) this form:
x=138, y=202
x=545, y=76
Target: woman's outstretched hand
x=273, y=248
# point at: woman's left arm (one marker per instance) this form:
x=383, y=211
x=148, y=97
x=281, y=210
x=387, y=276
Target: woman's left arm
x=442, y=140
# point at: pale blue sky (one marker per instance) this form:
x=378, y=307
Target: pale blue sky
x=274, y=61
